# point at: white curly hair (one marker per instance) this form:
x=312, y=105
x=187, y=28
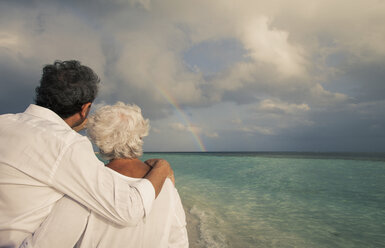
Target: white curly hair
x=117, y=130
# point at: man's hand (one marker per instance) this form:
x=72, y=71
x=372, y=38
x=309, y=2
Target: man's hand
x=161, y=169
x=153, y=161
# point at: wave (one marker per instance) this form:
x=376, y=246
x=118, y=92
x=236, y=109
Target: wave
x=207, y=225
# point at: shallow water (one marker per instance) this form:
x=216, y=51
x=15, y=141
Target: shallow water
x=281, y=199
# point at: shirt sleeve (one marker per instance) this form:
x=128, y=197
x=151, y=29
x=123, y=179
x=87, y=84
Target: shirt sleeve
x=178, y=232
x=145, y=188
x=79, y=174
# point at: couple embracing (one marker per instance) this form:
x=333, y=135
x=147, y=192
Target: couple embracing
x=54, y=191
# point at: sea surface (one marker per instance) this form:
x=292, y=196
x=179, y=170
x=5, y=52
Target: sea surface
x=281, y=199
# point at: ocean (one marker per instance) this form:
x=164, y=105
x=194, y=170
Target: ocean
x=281, y=199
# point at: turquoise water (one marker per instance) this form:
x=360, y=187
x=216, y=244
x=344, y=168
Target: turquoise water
x=281, y=200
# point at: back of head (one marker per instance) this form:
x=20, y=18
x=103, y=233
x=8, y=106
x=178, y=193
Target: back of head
x=118, y=130
x=65, y=86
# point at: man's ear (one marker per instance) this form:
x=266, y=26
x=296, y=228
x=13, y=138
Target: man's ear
x=85, y=110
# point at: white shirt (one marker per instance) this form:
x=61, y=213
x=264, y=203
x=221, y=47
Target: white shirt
x=164, y=227
x=42, y=159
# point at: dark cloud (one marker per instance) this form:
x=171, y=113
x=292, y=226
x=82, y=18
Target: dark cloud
x=341, y=131
x=212, y=57
x=257, y=77
x=18, y=83
x=366, y=80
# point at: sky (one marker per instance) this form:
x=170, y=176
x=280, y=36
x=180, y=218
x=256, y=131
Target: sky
x=215, y=75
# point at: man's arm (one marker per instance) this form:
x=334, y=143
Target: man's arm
x=157, y=175
x=80, y=175
x=68, y=219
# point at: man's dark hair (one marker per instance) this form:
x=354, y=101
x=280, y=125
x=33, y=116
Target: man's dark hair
x=65, y=86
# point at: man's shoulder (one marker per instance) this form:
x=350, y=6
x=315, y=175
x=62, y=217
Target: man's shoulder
x=40, y=131
x=7, y=117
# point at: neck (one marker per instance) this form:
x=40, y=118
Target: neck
x=72, y=121
x=129, y=167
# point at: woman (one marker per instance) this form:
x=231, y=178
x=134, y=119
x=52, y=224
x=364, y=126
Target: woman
x=117, y=131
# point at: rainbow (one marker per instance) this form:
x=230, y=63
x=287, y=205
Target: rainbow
x=183, y=117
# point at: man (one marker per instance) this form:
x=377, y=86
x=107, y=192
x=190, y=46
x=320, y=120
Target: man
x=42, y=158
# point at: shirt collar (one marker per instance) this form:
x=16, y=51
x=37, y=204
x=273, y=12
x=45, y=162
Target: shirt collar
x=45, y=113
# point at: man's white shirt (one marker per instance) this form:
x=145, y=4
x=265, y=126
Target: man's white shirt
x=42, y=159
x=164, y=227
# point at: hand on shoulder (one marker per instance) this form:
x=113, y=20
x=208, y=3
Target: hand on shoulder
x=158, y=163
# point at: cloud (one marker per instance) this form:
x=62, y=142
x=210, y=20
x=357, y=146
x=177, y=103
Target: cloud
x=146, y=4
x=272, y=46
x=178, y=126
x=196, y=130
x=133, y=53
x=262, y=69
x=189, y=128
x=272, y=117
x=212, y=135
x=262, y=130
x=146, y=64
x=9, y=41
x=274, y=106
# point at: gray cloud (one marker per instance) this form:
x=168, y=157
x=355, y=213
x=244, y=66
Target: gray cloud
x=252, y=74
